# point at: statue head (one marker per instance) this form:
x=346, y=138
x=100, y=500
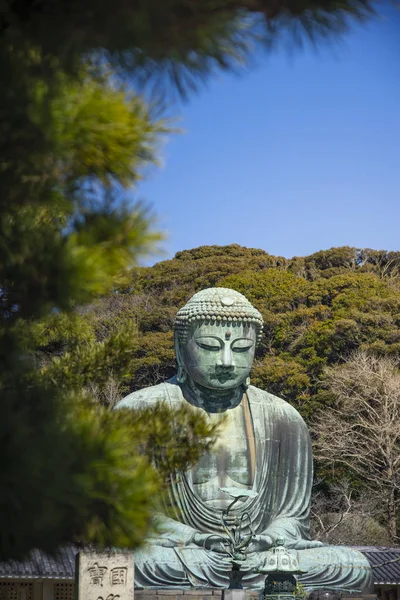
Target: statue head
x=216, y=334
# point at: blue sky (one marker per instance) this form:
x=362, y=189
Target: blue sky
x=298, y=154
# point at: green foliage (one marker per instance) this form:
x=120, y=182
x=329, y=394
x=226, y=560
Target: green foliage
x=72, y=470
x=282, y=377
x=72, y=149
x=172, y=439
x=272, y=290
x=59, y=332
x=179, y=39
x=300, y=591
x=104, y=132
x=83, y=472
x=67, y=475
x=92, y=361
x=64, y=220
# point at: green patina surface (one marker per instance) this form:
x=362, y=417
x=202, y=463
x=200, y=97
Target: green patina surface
x=264, y=450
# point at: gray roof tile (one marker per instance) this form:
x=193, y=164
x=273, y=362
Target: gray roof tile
x=39, y=565
x=386, y=573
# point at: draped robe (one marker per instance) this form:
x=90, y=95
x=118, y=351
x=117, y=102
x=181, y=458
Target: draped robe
x=280, y=452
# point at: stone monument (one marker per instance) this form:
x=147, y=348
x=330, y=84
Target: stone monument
x=104, y=576
x=264, y=449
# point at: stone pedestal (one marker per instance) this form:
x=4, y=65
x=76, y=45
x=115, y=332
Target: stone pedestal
x=234, y=595
x=193, y=594
x=218, y=594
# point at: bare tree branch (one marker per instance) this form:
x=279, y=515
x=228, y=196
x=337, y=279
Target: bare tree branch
x=362, y=432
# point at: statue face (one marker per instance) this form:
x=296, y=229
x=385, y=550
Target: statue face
x=219, y=357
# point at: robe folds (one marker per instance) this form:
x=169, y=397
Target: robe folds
x=282, y=481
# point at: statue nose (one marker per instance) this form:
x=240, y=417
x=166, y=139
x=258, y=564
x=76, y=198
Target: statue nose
x=225, y=360
x=225, y=367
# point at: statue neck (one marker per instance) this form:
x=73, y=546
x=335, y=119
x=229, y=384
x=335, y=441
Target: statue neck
x=212, y=401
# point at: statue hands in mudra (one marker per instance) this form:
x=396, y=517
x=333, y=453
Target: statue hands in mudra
x=218, y=543
x=264, y=450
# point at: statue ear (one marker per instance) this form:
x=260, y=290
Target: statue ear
x=181, y=375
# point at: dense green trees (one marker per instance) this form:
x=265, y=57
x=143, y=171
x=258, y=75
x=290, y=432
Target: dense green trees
x=317, y=310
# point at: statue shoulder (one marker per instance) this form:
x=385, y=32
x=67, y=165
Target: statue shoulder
x=168, y=391
x=273, y=403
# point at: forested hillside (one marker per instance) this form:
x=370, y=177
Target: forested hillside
x=318, y=310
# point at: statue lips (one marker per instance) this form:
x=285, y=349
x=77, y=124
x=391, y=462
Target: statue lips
x=224, y=375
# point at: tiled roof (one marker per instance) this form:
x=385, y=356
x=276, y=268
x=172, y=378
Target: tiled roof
x=381, y=560
x=61, y=565
x=39, y=565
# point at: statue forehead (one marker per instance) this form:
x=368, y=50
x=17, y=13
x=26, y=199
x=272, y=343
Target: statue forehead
x=221, y=330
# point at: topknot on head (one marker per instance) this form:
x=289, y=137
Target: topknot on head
x=217, y=305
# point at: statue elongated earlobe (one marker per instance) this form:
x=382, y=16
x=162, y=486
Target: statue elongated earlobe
x=181, y=375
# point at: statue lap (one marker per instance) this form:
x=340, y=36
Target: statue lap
x=339, y=567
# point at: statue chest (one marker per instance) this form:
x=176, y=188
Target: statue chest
x=232, y=462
